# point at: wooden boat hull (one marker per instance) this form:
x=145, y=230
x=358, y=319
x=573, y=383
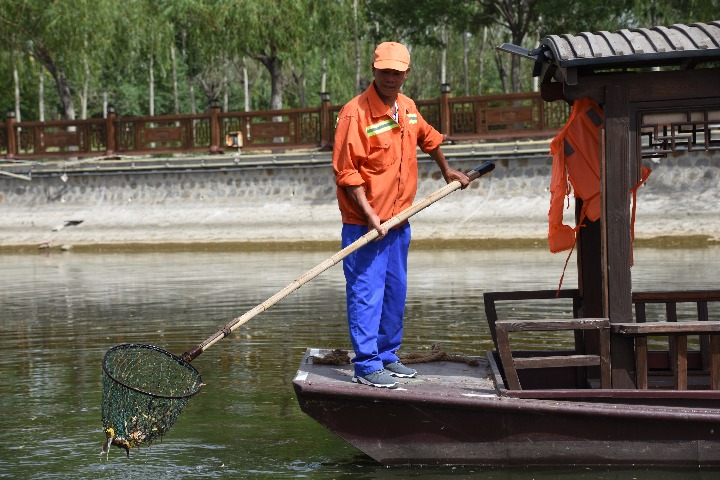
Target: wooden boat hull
x=452, y=415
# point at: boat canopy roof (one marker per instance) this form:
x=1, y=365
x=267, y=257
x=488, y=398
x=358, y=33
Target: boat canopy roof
x=679, y=45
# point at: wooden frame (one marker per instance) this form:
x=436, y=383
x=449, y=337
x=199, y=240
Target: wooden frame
x=512, y=364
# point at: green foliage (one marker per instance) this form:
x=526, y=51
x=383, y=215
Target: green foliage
x=110, y=48
x=586, y=16
x=667, y=12
x=418, y=21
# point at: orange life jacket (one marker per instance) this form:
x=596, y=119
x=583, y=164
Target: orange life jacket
x=576, y=157
x=576, y=161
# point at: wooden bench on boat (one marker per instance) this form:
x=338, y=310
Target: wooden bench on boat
x=512, y=360
x=512, y=364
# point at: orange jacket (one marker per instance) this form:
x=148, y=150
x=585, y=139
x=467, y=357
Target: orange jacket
x=373, y=150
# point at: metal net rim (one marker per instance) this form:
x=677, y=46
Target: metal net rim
x=175, y=358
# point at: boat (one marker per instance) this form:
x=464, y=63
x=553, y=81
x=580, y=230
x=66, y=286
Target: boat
x=639, y=383
x=457, y=414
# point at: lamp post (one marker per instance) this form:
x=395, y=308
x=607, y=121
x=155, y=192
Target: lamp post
x=110, y=130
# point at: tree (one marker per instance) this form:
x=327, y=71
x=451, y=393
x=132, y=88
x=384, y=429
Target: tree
x=424, y=23
x=558, y=16
x=666, y=12
x=40, y=29
x=517, y=17
x=271, y=32
x=331, y=22
x=279, y=51
x=526, y=21
x=206, y=35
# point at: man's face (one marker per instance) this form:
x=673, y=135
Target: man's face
x=389, y=82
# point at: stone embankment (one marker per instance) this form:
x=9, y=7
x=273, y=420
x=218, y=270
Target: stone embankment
x=274, y=200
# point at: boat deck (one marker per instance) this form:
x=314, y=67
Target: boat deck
x=435, y=379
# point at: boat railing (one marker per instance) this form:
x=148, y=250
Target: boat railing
x=490, y=299
x=675, y=316
x=677, y=333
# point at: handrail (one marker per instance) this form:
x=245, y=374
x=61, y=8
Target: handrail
x=486, y=117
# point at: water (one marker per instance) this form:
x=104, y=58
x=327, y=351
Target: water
x=60, y=312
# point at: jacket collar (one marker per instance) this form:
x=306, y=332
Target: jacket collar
x=377, y=106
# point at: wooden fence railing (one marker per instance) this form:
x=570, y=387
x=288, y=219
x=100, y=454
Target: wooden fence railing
x=523, y=115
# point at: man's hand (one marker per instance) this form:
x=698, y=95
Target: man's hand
x=357, y=193
x=374, y=223
x=451, y=175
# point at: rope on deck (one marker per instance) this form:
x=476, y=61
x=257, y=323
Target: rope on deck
x=436, y=354
x=336, y=357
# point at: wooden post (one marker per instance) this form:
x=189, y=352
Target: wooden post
x=110, y=131
x=542, y=121
x=445, y=109
x=10, y=134
x=617, y=160
x=139, y=130
x=215, y=127
x=326, y=127
x=590, y=280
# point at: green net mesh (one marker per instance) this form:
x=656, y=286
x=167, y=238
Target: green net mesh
x=144, y=390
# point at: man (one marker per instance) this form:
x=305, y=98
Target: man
x=375, y=166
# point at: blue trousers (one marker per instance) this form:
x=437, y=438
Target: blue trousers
x=376, y=288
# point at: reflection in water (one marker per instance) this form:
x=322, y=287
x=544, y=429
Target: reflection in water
x=62, y=311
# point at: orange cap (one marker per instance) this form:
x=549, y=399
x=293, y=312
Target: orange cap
x=393, y=56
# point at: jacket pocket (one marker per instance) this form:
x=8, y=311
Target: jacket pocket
x=382, y=151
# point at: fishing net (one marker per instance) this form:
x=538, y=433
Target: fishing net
x=144, y=390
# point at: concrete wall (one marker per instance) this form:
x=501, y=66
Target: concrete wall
x=297, y=203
